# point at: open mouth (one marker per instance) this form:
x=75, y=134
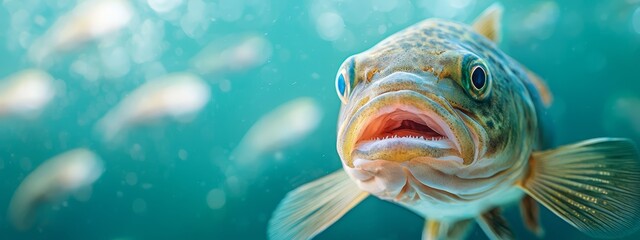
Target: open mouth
x=402, y=133
x=403, y=124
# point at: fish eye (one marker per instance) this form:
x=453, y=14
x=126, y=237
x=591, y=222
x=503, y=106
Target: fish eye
x=344, y=79
x=476, y=77
x=341, y=87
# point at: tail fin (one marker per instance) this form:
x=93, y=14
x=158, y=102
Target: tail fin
x=594, y=185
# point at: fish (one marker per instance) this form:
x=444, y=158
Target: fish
x=26, y=93
x=89, y=21
x=233, y=53
x=285, y=125
x=51, y=182
x=179, y=95
x=438, y=119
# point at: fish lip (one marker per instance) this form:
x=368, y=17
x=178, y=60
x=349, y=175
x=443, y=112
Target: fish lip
x=437, y=112
x=441, y=132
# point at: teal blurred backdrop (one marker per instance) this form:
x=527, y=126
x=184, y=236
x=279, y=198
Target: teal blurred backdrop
x=169, y=179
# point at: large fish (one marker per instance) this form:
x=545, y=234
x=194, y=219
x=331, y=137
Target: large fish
x=437, y=119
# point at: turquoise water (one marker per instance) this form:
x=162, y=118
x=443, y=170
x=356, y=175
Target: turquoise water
x=170, y=179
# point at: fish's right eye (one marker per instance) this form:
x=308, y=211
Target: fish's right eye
x=345, y=79
x=342, y=87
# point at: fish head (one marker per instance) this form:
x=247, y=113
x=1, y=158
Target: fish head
x=436, y=106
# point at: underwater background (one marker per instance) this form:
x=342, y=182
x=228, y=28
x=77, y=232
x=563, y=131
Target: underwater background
x=176, y=178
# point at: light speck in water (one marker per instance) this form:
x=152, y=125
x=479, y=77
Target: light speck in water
x=163, y=6
x=384, y=5
x=83, y=194
x=216, y=198
x=382, y=29
x=225, y=85
x=25, y=164
x=183, y=154
x=635, y=20
x=139, y=206
x=131, y=178
x=330, y=26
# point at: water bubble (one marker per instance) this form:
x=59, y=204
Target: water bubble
x=384, y=5
x=330, y=26
x=382, y=29
x=139, y=206
x=163, y=6
x=195, y=22
x=116, y=62
x=231, y=10
x=83, y=194
x=131, y=178
x=26, y=164
x=183, y=154
x=216, y=198
x=635, y=20
x=225, y=85
x=460, y=3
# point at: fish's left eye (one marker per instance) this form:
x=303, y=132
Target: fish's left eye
x=476, y=77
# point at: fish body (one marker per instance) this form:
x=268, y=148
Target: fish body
x=177, y=96
x=26, y=93
x=52, y=182
x=436, y=118
x=89, y=21
x=283, y=126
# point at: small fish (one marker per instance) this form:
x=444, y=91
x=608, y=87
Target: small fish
x=437, y=119
x=283, y=126
x=177, y=95
x=52, y=182
x=232, y=53
x=25, y=93
x=90, y=20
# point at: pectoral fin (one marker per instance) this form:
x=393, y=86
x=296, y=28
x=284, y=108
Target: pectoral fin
x=594, y=185
x=313, y=207
x=494, y=225
x=436, y=230
x=531, y=215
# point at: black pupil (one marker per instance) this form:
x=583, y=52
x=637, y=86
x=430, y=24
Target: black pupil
x=478, y=77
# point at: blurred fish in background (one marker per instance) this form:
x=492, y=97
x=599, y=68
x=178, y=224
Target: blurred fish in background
x=177, y=95
x=285, y=125
x=52, y=182
x=232, y=54
x=25, y=93
x=90, y=20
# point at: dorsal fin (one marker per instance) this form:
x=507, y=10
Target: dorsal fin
x=489, y=24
